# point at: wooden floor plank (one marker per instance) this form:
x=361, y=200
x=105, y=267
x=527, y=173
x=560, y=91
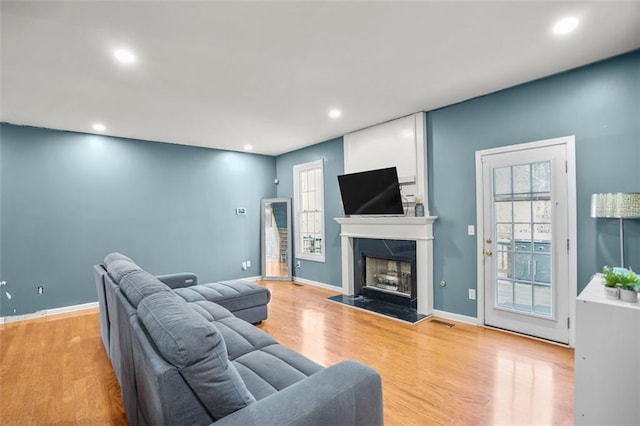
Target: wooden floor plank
x=55, y=370
x=52, y=370
x=431, y=374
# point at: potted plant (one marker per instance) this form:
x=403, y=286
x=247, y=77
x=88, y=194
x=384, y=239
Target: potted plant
x=611, y=290
x=629, y=286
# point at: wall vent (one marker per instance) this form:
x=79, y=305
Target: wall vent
x=440, y=322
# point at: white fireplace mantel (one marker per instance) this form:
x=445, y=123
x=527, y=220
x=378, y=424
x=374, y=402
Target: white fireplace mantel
x=418, y=229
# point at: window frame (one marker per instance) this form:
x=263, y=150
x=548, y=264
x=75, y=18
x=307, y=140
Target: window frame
x=297, y=206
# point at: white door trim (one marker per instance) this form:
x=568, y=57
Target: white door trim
x=569, y=143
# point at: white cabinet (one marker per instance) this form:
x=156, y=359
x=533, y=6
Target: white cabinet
x=607, y=359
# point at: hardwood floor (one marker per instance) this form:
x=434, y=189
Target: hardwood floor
x=55, y=370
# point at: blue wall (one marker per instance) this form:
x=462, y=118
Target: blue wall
x=599, y=104
x=68, y=199
x=332, y=152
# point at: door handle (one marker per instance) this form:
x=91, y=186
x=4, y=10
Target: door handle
x=487, y=252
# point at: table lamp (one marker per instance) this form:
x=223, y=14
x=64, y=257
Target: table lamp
x=618, y=206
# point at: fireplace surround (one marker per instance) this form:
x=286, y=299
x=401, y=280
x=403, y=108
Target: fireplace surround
x=406, y=228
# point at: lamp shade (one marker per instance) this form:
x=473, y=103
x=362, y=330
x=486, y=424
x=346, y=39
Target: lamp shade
x=619, y=205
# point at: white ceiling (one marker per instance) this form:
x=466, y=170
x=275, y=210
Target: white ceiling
x=226, y=74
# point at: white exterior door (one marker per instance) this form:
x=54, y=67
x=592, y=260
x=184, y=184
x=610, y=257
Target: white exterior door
x=525, y=240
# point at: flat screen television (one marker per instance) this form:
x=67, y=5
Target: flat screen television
x=374, y=192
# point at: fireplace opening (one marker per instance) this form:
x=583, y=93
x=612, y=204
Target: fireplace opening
x=386, y=270
x=389, y=275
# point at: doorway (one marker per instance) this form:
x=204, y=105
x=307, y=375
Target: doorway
x=526, y=221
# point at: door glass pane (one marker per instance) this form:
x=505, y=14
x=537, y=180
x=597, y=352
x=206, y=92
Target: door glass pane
x=542, y=232
x=522, y=266
x=541, y=177
x=504, y=267
x=542, y=268
x=504, y=211
x=521, y=179
x=502, y=181
x=522, y=229
x=522, y=211
x=504, y=234
x=542, y=211
x=542, y=299
x=523, y=297
x=504, y=294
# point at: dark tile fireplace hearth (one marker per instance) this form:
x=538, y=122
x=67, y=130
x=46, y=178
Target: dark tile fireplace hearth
x=381, y=307
x=385, y=279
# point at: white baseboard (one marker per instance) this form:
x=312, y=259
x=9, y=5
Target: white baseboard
x=48, y=312
x=318, y=284
x=256, y=278
x=455, y=317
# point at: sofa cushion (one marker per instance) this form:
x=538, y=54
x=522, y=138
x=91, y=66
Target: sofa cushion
x=211, y=311
x=120, y=268
x=137, y=285
x=242, y=337
x=239, y=336
x=273, y=368
x=264, y=365
x=196, y=347
x=234, y=295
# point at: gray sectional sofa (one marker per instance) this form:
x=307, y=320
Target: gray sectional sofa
x=185, y=360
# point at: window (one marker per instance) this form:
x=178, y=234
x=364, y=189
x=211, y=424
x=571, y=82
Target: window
x=308, y=202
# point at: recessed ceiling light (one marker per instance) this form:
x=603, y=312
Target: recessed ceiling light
x=124, y=56
x=565, y=25
x=335, y=113
x=99, y=127
x=248, y=148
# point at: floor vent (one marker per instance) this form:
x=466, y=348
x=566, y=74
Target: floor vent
x=439, y=322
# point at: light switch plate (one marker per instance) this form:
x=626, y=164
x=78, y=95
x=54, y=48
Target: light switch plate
x=471, y=230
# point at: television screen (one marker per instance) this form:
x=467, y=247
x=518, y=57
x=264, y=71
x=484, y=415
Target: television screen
x=374, y=192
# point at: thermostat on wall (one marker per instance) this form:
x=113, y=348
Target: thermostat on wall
x=241, y=210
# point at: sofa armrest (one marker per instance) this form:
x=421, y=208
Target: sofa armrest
x=179, y=280
x=348, y=393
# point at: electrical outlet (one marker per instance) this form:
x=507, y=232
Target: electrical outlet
x=244, y=266
x=40, y=290
x=471, y=230
x=472, y=294
x=248, y=264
